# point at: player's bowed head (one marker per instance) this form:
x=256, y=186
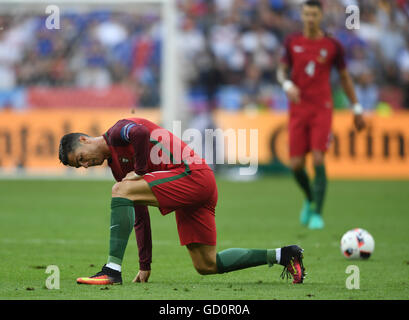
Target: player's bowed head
x=80, y=150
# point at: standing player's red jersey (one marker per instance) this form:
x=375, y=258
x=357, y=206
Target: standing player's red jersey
x=311, y=61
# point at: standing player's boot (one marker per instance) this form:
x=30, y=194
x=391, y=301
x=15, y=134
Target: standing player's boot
x=291, y=259
x=104, y=277
x=305, y=214
x=316, y=222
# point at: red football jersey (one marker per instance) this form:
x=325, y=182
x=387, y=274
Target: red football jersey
x=311, y=61
x=139, y=145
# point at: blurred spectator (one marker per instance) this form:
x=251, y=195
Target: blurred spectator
x=252, y=87
x=403, y=63
x=11, y=96
x=191, y=40
x=367, y=90
x=223, y=7
x=110, y=33
x=8, y=57
x=94, y=74
x=223, y=38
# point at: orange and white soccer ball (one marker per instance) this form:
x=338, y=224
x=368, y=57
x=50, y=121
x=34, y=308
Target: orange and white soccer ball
x=357, y=244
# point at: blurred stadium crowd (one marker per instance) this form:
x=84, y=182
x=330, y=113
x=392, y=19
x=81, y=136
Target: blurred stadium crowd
x=229, y=51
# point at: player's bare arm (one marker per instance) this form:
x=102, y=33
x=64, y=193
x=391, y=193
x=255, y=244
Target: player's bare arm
x=131, y=176
x=292, y=91
x=348, y=86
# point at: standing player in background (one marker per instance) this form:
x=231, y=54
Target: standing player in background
x=310, y=56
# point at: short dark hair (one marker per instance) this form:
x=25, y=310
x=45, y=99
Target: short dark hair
x=313, y=3
x=68, y=143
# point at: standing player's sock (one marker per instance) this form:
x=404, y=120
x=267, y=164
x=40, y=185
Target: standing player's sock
x=122, y=222
x=237, y=258
x=303, y=181
x=319, y=187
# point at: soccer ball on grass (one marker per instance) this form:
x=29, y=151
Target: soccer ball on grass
x=357, y=244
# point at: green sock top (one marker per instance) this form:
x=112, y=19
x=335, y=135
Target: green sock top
x=120, y=202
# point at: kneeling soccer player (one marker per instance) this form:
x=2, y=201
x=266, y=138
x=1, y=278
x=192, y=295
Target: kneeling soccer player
x=153, y=167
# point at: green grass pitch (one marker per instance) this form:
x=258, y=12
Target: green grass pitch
x=66, y=223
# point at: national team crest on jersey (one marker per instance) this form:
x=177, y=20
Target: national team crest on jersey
x=124, y=160
x=323, y=55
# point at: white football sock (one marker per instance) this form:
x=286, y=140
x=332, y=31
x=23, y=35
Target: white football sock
x=114, y=266
x=278, y=255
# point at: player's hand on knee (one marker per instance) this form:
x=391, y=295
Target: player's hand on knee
x=132, y=176
x=142, y=276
